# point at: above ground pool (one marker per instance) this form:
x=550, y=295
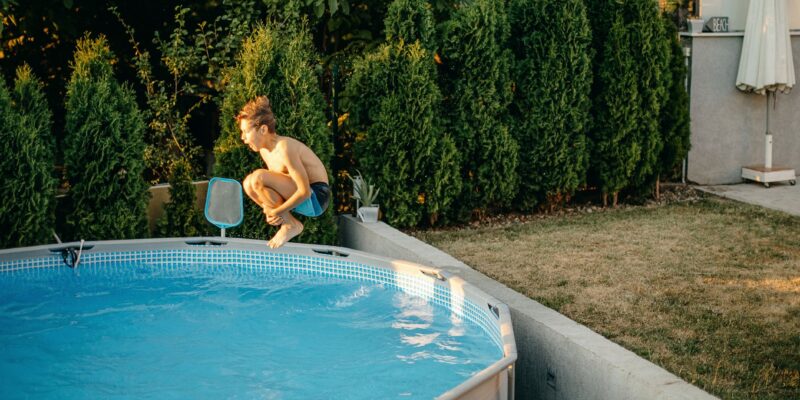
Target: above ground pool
x=221, y=318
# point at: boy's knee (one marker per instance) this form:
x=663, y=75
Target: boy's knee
x=253, y=181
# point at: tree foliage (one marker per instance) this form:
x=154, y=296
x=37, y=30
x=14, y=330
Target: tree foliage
x=409, y=21
x=615, y=148
x=648, y=42
x=629, y=30
x=181, y=218
x=104, y=149
x=27, y=212
x=277, y=61
x=477, y=86
x=675, y=115
x=551, y=42
x=394, y=105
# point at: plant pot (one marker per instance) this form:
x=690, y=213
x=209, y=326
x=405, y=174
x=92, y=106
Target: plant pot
x=368, y=214
x=695, y=25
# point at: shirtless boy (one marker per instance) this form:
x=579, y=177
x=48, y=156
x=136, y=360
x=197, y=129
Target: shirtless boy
x=295, y=178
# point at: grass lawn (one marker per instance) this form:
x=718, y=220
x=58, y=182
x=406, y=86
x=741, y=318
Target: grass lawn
x=707, y=289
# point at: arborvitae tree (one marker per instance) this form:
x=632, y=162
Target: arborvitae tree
x=104, y=150
x=181, y=218
x=409, y=21
x=31, y=103
x=477, y=89
x=648, y=41
x=277, y=62
x=675, y=114
x=27, y=212
x=615, y=148
x=395, y=108
x=551, y=41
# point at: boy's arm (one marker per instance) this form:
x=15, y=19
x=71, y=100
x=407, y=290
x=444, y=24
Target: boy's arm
x=300, y=177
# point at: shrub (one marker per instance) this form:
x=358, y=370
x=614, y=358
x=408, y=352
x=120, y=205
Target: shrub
x=476, y=67
x=27, y=212
x=409, y=21
x=277, y=62
x=551, y=43
x=615, y=148
x=104, y=150
x=181, y=218
x=395, y=108
x=649, y=42
x=675, y=114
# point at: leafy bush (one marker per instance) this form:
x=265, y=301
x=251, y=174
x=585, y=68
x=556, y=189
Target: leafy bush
x=277, y=62
x=675, y=115
x=104, y=150
x=649, y=42
x=476, y=68
x=630, y=30
x=181, y=218
x=615, y=148
x=409, y=21
x=551, y=43
x=395, y=108
x=27, y=212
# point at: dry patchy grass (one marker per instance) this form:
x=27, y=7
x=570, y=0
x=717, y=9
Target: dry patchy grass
x=709, y=290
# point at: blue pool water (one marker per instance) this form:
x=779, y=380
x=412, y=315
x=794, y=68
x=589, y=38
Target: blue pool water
x=226, y=332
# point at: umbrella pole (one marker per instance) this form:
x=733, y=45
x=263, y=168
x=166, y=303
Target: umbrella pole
x=768, y=137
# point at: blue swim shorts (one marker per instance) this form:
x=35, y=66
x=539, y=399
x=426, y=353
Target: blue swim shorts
x=315, y=205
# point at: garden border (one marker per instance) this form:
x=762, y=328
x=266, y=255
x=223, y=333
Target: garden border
x=557, y=357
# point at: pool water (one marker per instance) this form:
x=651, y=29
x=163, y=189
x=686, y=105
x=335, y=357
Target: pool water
x=201, y=331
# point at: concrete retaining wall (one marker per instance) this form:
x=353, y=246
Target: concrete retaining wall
x=558, y=358
x=159, y=195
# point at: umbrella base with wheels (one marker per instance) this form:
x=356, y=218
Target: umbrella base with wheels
x=762, y=174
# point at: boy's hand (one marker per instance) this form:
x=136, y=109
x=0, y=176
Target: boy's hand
x=272, y=219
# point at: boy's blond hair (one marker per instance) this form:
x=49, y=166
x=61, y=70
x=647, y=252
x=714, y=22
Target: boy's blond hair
x=259, y=112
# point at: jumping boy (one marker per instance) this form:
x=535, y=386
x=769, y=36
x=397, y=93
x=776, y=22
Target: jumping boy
x=295, y=178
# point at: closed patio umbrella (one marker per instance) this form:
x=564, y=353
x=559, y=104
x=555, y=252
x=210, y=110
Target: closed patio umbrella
x=766, y=67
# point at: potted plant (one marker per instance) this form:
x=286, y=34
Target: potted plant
x=695, y=24
x=365, y=193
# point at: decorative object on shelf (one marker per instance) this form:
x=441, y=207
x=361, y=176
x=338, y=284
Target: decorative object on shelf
x=365, y=193
x=766, y=67
x=716, y=24
x=695, y=24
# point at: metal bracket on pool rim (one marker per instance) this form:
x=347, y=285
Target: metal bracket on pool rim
x=206, y=242
x=433, y=274
x=330, y=252
x=494, y=310
x=71, y=254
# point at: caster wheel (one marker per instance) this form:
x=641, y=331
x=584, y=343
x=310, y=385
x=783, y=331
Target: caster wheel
x=766, y=185
x=793, y=182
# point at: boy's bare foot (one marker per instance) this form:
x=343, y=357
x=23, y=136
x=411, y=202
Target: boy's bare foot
x=287, y=231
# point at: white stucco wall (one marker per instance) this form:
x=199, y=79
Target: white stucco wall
x=728, y=125
x=736, y=11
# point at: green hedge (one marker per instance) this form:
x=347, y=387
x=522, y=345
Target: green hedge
x=648, y=42
x=409, y=21
x=551, y=42
x=104, y=150
x=181, y=218
x=615, y=147
x=675, y=115
x=476, y=82
x=27, y=212
x=278, y=62
x=395, y=107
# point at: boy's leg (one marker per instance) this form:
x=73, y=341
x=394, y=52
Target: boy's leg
x=269, y=189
